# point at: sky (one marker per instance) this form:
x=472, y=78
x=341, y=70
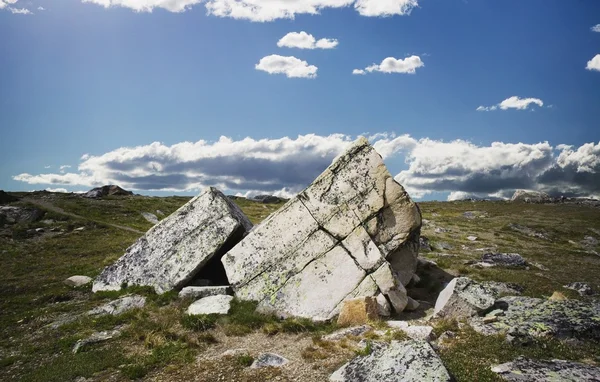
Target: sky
x=462, y=98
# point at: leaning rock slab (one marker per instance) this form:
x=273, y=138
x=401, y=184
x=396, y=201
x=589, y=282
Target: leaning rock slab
x=203, y=291
x=119, y=306
x=323, y=246
x=211, y=305
x=408, y=361
x=464, y=297
x=173, y=251
x=523, y=369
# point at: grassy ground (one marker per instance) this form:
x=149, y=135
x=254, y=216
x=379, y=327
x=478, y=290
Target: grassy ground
x=158, y=344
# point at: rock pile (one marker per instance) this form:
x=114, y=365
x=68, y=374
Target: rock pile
x=353, y=232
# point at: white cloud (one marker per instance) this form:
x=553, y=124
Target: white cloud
x=40, y=8
x=385, y=7
x=594, y=63
x=266, y=10
x=19, y=11
x=291, y=66
x=358, y=71
x=64, y=190
x=394, y=65
x=285, y=166
x=513, y=102
x=5, y=3
x=595, y=28
x=64, y=167
x=303, y=40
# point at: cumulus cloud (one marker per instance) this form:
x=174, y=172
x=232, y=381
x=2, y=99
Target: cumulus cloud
x=266, y=10
x=63, y=190
x=408, y=65
x=285, y=166
x=595, y=28
x=291, y=66
x=594, y=63
x=303, y=40
x=513, y=102
x=40, y=8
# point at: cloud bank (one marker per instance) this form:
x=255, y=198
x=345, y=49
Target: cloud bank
x=285, y=166
x=303, y=40
x=513, y=102
x=267, y=10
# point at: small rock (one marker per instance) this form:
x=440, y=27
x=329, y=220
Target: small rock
x=589, y=241
x=495, y=313
x=489, y=319
x=383, y=305
x=234, y=352
x=539, y=266
x=119, y=306
x=353, y=331
x=464, y=297
x=79, y=229
x=204, y=291
x=443, y=246
x=411, y=305
x=76, y=281
x=441, y=230
x=523, y=369
x=219, y=304
x=557, y=296
x=160, y=213
x=358, y=311
x=268, y=360
x=95, y=338
x=471, y=238
x=424, y=244
x=504, y=259
x=580, y=287
x=150, y=217
x=39, y=230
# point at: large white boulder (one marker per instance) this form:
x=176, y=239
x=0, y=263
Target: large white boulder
x=173, y=251
x=331, y=242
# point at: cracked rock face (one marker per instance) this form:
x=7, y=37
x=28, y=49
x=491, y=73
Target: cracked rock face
x=326, y=245
x=408, y=361
x=172, y=252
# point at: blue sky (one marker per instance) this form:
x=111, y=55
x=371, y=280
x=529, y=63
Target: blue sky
x=102, y=79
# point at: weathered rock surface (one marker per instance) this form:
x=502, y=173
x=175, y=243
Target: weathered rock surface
x=95, y=338
x=150, y=217
x=325, y=245
x=357, y=311
x=119, y=306
x=110, y=190
x=14, y=215
x=523, y=369
x=525, y=318
x=76, y=281
x=352, y=331
x=219, y=304
x=464, y=297
x=408, y=361
x=531, y=197
x=268, y=360
x=172, y=252
x=504, y=260
x=204, y=291
x=416, y=332
x=580, y=287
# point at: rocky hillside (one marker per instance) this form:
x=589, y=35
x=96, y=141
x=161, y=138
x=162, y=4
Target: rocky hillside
x=518, y=280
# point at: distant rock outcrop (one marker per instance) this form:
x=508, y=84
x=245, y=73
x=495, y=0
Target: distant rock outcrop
x=110, y=190
x=267, y=199
x=353, y=232
x=176, y=249
x=531, y=197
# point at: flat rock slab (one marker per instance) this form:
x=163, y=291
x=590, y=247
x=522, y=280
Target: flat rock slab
x=119, y=306
x=525, y=318
x=416, y=332
x=542, y=371
x=323, y=246
x=77, y=281
x=150, y=217
x=204, y=291
x=464, y=297
x=96, y=338
x=211, y=305
x=504, y=260
x=407, y=361
x=173, y=251
x=268, y=360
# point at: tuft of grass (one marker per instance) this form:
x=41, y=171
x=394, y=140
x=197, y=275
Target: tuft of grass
x=366, y=351
x=200, y=322
x=168, y=353
x=244, y=360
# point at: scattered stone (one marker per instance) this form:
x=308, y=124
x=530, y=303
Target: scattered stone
x=325, y=245
x=352, y=331
x=475, y=214
x=464, y=297
x=527, y=196
x=589, y=241
x=204, y=291
x=39, y=230
x=513, y=260
x=580, y=287
x=383, y=306
x=234, y=352
x=77, y=281
x=523, y=369
x=441, y=230
x=557, y=296
x=150, y=217
x=407, y=361
x=489, y=319
x=160, y=213
x=471, y=238
x=172, y=252
x=219, y=304
x=527, y=231
x=357, y=311
x=79, y=229
x=424, y=244
x=503, y=289
x=526, y=318
x=110, y=190
x=95, y=338
x=443, y=246
x=412, y=305
x=119, y=306
x=268, y=360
